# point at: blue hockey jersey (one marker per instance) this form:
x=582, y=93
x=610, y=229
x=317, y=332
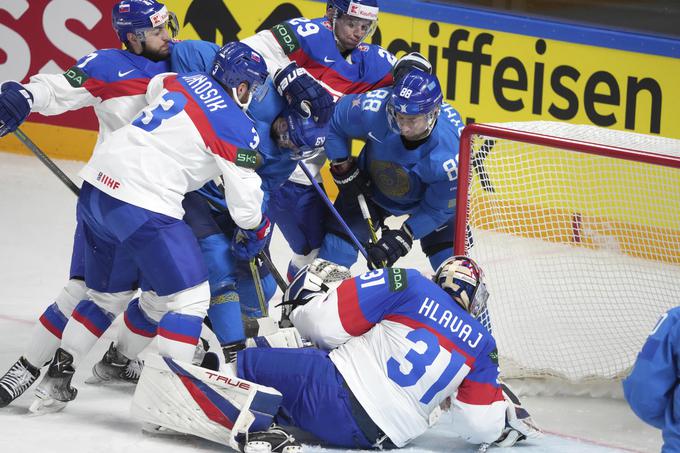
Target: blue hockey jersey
x=420, y=182
x=652, y=389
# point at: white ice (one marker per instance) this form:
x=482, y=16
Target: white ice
x=36, y=234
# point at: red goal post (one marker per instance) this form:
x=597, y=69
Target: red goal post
x=577, y=229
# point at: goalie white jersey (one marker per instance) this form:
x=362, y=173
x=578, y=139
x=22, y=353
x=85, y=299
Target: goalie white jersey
x=403, y=347
x=190, y=133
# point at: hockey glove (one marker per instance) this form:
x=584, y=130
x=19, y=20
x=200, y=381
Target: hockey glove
x=312, y=280
x=15, y=106
x=413, y=60
x=248, y=243
x=518, y=422
x=392, y=245
x=350, y=180
x=303, y=93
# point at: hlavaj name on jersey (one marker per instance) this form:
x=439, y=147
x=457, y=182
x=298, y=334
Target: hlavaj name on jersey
x=203, y=87
x=430, y=309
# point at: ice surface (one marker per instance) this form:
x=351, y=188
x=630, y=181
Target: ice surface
x=36, y=232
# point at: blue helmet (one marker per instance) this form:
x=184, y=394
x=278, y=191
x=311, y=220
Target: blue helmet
x=138, y=16
x=362, y=9
x=305, y=138
x=417, y=93
x=463, y=280
x=236, y=63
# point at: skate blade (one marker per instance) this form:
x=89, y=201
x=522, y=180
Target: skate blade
x=158, y=430
x=45, y=406
x=96, y=380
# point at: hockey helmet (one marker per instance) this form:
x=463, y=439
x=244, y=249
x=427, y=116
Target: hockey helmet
x=463, y=280
x=237, y=63
x=417, y=96
x=362, y=9
x=304, y=137
x=139, y=16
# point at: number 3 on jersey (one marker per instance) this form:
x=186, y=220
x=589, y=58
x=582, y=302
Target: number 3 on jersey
x=422, y=365
x=171, y=105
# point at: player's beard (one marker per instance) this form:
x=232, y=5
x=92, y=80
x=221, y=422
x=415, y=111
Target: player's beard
x=154, y=55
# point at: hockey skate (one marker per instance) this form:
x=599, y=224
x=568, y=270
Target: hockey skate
x=115, y=367
x=274, y=440
x=55, y=391
x=17, y=380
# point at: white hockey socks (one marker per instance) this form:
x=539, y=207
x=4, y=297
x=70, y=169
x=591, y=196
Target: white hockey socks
x=47, y=333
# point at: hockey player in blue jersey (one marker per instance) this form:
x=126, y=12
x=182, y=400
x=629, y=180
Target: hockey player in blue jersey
x=394, y=347
x=407, y=167
x=333, y=50
x=652, y=388
x=114, y=82
x=283, y=141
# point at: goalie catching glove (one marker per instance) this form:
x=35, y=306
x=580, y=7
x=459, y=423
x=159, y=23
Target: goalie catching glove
x=518, y=423
x=313, y=280
x=303, y=93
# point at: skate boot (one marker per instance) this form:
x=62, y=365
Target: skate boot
x=115, y=367
x=17, y=380
x=274, y=440
x=55, y=391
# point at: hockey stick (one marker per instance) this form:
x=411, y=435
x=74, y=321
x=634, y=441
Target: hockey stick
x=367, y=216
x=335, y=212
x=44, y=158
x=258, y=286
x=280, y=282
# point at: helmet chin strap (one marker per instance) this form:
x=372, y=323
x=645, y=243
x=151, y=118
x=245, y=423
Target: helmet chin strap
x=244, y=105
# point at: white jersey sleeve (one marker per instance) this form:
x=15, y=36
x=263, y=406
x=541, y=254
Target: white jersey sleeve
x=53, y=95
x=243, y=194
x=266, y=44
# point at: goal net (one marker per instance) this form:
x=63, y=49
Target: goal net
x=577, y=229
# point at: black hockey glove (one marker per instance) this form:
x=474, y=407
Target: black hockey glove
x=392, y=245
x=350, y=180
x=303, y=93
x=413, y=60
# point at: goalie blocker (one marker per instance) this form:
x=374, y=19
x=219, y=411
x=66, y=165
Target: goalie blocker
x=209, y=404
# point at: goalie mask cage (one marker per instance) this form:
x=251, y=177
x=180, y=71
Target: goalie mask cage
x=577, y=229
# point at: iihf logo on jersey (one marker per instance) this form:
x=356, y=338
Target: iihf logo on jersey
x=108, y=181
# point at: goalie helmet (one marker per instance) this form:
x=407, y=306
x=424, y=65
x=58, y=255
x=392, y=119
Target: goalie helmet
x=237, y=63
x=463, y=280
x=139, y=16
x=304, y=137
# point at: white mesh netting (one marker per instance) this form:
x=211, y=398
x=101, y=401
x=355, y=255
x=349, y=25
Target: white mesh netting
x=581, y=252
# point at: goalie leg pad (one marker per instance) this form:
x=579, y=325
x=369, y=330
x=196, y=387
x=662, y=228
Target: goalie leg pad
x=202, y=402
x=288, y=337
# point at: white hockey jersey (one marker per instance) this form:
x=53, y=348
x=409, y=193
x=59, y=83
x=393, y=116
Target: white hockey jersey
x=113, y=81
x=190, y=132
x=403, y=346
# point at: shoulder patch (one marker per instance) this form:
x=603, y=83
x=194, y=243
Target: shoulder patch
x=397, y=279
x=493, y=355
x=76, y=76
x=247, y=158
x=286, y=38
